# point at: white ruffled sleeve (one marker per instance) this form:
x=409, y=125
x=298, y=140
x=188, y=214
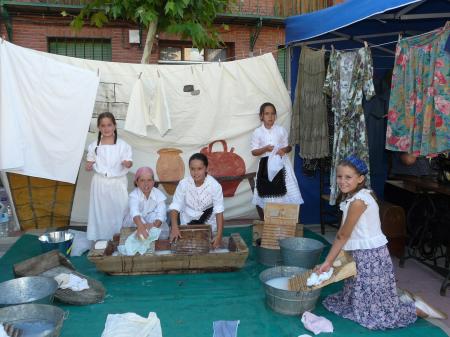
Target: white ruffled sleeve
x=256, y=142
x=179, y=198
x=217, y=198
x=91, y=152
x=363, y=195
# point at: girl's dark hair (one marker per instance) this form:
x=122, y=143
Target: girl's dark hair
x=199, y=156
x=265, y=105
x=99, y=120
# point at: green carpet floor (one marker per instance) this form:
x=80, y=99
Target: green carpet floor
x=188, y=304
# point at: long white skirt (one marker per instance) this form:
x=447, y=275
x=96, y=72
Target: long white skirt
x=292, y=196
x=107, y=204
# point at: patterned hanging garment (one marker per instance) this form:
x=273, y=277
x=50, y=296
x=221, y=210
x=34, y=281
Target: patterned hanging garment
x=349, y=76
x=419, y=105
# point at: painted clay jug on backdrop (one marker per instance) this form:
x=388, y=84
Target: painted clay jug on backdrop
x=170, y=167
x=224, y=163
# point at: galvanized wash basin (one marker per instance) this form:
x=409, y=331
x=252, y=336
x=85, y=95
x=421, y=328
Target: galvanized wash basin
x=284, y=301
x=30, y=289
x=34, y=320
x=301, y=252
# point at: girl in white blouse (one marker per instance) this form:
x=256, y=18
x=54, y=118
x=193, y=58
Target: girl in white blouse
x=268, y=141
x=198, y=199
x=146, y=205
x=370, y=298
x=110, y=159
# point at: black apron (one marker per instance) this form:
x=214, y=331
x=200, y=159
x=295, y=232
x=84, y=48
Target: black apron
x=264, y=187
x=203, y=218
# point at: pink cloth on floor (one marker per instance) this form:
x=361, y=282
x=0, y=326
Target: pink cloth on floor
x=316, y=324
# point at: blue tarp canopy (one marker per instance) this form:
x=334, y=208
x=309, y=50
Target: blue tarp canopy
x=346, y=26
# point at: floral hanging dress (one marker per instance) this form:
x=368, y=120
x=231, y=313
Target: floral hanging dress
x=419, y=105
x=349, y=75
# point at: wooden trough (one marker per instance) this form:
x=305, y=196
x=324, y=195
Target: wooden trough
x=231, y=256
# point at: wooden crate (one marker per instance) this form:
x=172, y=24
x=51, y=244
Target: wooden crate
x=171, y=263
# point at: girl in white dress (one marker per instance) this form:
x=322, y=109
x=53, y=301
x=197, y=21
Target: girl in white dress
x=268, y=140
x=146, y=205
x=110, y=159
x=198, y=199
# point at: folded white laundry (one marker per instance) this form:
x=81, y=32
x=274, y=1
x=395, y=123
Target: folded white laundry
x=131, y=324
x=134, y=245
x=316, y=324
x=316, y=279
x=71, y=281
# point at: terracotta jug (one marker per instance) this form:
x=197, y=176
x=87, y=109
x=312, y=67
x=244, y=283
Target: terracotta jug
x=170, y=167
x=225, y=163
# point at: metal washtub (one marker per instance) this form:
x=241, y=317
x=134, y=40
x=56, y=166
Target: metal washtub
x=300, y=252
x=34, y=320
x=30, y=289
x=284, y=301
x=60, y=240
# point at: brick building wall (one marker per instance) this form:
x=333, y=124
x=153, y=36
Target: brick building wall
x=33, y=31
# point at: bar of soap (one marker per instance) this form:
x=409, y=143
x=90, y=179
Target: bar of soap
x=101, y=244
x=337, y=263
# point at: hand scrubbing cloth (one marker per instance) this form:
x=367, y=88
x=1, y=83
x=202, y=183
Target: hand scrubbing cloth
x=134, y=245
x=225, y=328
x=131, y=324
x=316, y=279
x=316, y=324
x=72, y=282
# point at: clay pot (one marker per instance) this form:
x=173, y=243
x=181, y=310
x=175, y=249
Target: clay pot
x=170, y=167
x=225, y=163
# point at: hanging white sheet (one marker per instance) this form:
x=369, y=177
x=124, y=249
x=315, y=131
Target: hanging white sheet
x=45, y=110
x=227, y=107
x=148, y=107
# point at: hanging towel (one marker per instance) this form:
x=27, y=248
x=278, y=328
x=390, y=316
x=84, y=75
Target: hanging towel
x=275, y=164
x=225, y=328
x=45, y=110
x=316, y=324
x=148, y=107
x=134, y=245
x=131, y=324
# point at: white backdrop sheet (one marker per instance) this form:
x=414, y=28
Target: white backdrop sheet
x=45, y=111
x=227, y=107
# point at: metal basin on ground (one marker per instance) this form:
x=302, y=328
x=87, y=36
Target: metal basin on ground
x=266, y=256
x=60, y=240
x=301, y=252
x=30, y=289
x=34, y=320
x=284, y=301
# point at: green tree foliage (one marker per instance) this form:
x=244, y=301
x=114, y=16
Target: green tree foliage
x=189, y=19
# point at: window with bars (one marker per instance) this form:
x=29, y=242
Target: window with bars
x=85, y=48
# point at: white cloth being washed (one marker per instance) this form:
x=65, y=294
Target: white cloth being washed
x=131, y=324
x=134, y=245
x=45, y=110
x=316, y=279
x=148, y=106
x=71, y=281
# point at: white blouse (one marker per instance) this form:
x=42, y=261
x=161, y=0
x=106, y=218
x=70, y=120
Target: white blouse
x=191, y=200
x=276, y=136
x=150, y=210
x=367, y=232
x=108, y=159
